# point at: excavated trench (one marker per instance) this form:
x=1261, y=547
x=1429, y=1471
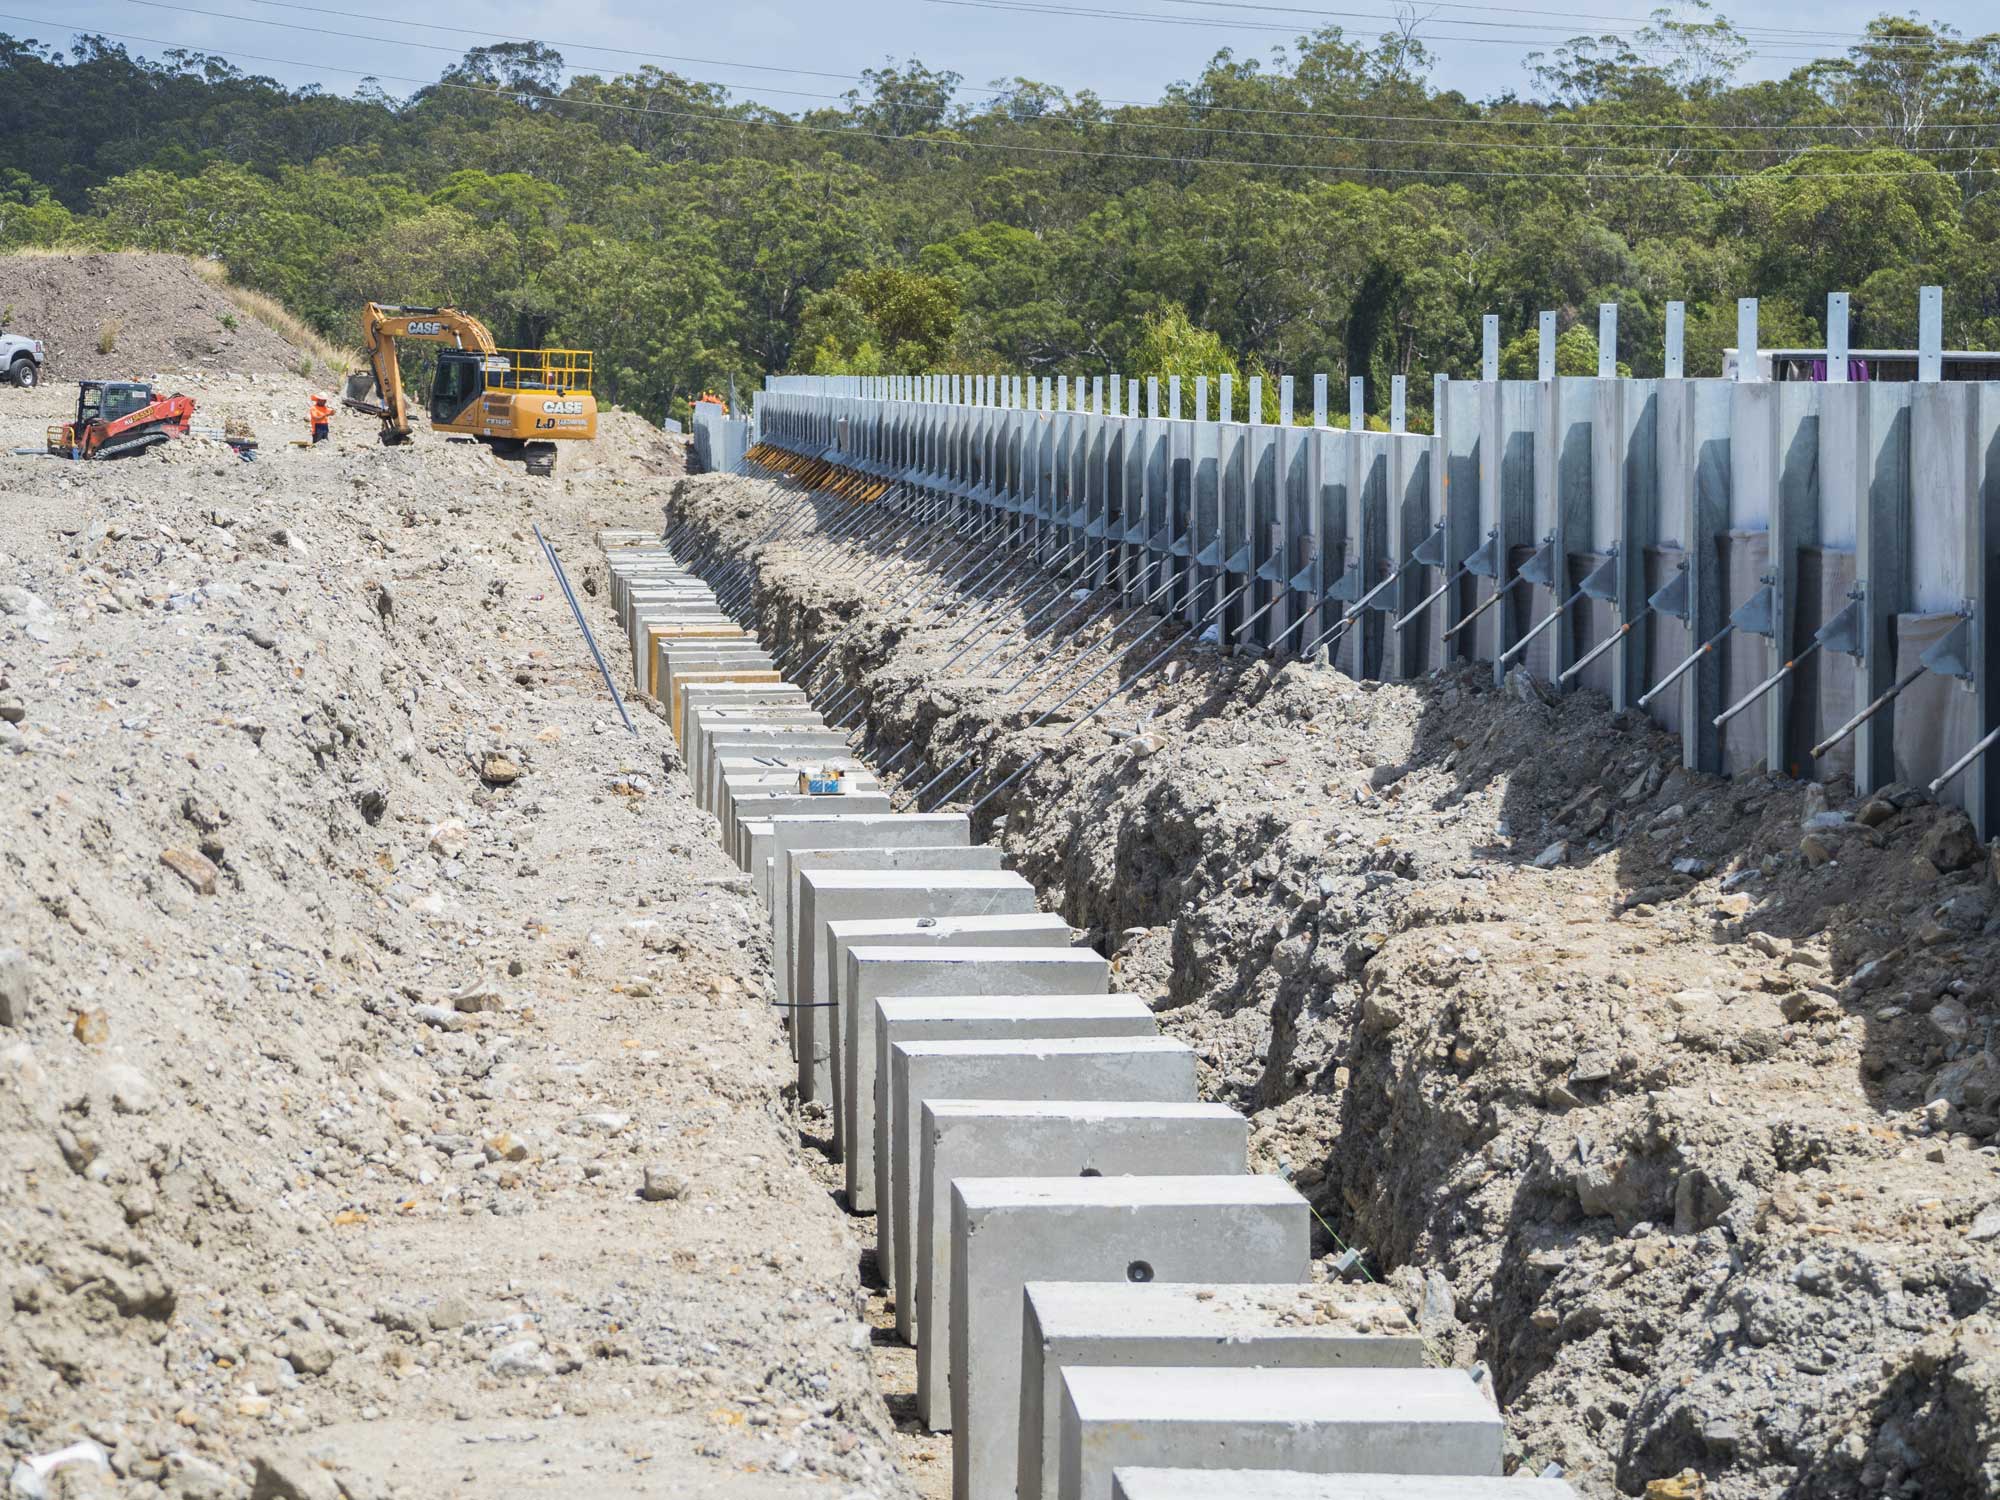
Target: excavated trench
x=1669, y=1098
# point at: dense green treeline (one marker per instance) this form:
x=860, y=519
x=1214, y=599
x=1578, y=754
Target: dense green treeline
x=1324, y=210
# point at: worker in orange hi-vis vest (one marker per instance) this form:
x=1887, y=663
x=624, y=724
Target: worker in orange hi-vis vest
x=319, y=415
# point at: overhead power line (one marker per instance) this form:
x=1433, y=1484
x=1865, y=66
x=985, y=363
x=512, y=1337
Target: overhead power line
x=1099, y=13
x=1171, y=100
x=954, y=143
x=1310, y=137
x=1818, y=37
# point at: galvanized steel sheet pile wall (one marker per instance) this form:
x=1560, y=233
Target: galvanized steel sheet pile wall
x=1756, y=564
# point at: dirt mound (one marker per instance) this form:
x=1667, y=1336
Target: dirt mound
x=1672, y=1099
x=130, y=316
x=389, y=1101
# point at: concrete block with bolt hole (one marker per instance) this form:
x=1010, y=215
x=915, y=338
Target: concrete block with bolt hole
x=790, y=743
x=1013, y=931
x=818, y=1019
x=1289, y=1484
x=713, y=723
x=747, y=785
x=747, y=697
x=893, y=883
x=1013, y=1137
x=1428, y=1422
x=695, y=694
x=1083, y=1059
x=767, y=843
x=673, y=658
x=1175, y=1324
x=879, y=972
x=1008, y=1231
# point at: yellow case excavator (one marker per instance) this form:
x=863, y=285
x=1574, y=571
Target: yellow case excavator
x=520, y=402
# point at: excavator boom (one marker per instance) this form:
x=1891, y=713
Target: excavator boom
x=383, y=326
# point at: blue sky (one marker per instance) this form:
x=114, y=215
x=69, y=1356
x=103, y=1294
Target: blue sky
x=1121, y=57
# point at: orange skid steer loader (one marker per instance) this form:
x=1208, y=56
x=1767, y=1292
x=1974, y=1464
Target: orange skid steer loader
x=118, y=417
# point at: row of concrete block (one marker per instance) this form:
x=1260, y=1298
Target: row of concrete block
x=1102, y=1297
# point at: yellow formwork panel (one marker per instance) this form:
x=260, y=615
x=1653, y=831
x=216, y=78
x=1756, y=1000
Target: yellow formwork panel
x=657, y=633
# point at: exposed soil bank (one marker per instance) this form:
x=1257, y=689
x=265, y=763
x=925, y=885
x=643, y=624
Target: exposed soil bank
x=1670, y=1098
x=389, y=1100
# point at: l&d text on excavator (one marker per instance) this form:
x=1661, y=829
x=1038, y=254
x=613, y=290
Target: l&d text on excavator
x=520, y=402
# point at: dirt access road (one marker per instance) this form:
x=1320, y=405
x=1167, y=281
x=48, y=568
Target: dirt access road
x=388, y=1101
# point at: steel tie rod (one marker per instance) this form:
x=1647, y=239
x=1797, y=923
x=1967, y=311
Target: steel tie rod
x=847, y=698
x=1491, y=599
x=1304, y=615
x=1764, y=687
x=1350, y=618
x=1057, y=621
x=1540, y=625
x=1171, y=647
x=1049, y=655
x=1037, y=592
x=744, y=567
x=1874, y=707
x=581, y=624
x=1952, y=770
x=1431, y=598
x=1052, y=710
x=1095, y=646
x=1687, y=665
x=1604, y=645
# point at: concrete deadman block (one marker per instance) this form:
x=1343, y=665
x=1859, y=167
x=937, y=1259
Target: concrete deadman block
x=783, y=741
x=1289, y=1484
x=694, y=696
x=1058, y=1138
x=828, y=832
x=714, y=724
x=816, y=1016
x=1318, y=1421
x=1176, y=1324
x=748, y=778
x=1109, y=1058
x=760, y=808
x=673, y=657
x=879, y=972
x=675, y=667
x=856, y=894
x=1024, y=930
x=1008, y=1231
x=742, y=786
x=722, y=677
x=649, y=603
x=797, y=745
x=654, y=623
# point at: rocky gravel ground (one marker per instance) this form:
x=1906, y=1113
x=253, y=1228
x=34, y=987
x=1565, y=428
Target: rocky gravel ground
x=1670, y=1099
x=390, y=1104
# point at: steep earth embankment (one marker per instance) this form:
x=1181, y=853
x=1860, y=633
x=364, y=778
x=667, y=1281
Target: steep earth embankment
x=1671, y=1098
x=389, y=1100
x=128, y=316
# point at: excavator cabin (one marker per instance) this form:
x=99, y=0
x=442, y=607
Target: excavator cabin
x=520, y=402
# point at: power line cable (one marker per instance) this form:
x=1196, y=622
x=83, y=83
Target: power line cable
x=1071, y=12
x=1311, y=137
x=1802, y=35
x=959, y=144
x=1166, y=101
